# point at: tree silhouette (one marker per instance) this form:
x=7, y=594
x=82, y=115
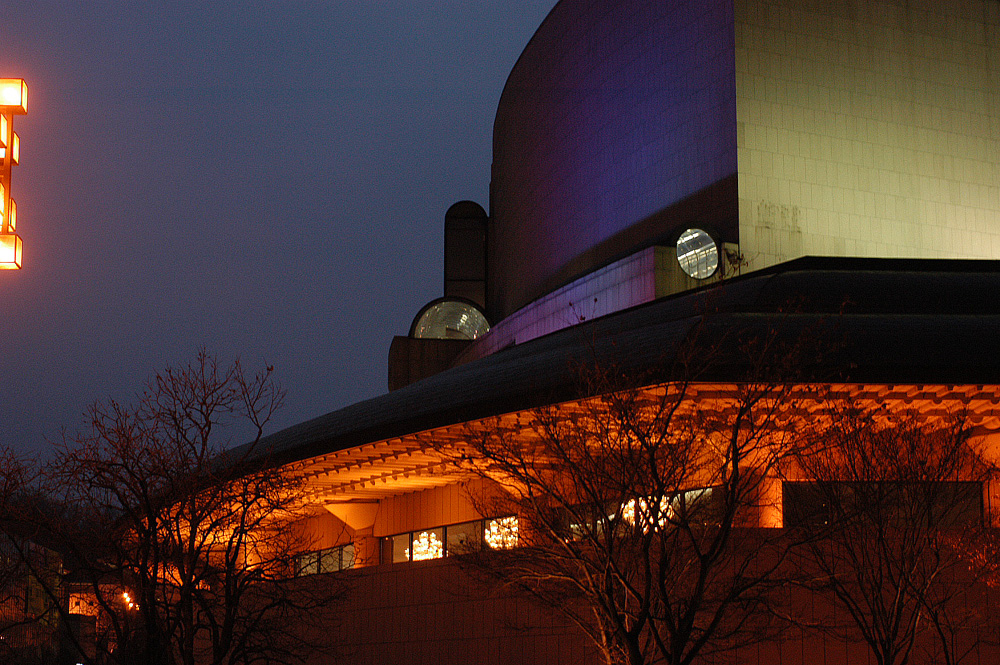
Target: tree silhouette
x=888, y=519
x=180, y=546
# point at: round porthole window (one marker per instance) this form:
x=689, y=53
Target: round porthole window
x=697, y=253
x=449, y=318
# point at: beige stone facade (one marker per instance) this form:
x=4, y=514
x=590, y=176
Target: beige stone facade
x=868, y=129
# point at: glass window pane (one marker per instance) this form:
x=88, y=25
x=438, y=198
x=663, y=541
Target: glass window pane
x=307, y=564
x=347, y=556
x=401, y=548
x=451, y=319
x=428, y=544
x=804, y=504
x=329, y=560
x=697, y=506
x=501, y=533
x=465, y=538
x=697, y=254
x=959, y=503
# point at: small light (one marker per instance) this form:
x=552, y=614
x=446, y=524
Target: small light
x=10, y=251
x=14, y=94
x=3, y=131
x=13, y=216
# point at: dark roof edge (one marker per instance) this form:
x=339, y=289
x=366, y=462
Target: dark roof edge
x=917, y=339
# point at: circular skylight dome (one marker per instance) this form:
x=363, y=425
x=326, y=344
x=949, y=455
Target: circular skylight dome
x=449, y=318
x=697, y=254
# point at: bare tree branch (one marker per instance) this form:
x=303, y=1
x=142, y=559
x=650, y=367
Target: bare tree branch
x=182, y=545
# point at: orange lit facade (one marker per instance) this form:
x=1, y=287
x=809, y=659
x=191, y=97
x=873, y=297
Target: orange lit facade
x=392, y=507
x=400, y=517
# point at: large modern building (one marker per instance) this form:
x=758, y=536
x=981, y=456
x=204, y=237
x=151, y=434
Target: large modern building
x=663, y=167
x=780, y=129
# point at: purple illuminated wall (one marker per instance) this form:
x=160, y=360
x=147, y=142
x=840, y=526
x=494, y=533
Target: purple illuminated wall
x=616, y=129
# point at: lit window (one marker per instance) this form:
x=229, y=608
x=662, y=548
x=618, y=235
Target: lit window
x=427, y=545
x=646, y=513
x=498, y=533
x=697, y=253
x=449, y=319
x=501, y=533
x=694, y=506
x=83, y=603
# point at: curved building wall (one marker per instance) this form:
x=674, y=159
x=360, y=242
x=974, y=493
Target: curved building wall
x=616, y=129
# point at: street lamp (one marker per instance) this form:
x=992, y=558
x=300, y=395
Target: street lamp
x=13, y=101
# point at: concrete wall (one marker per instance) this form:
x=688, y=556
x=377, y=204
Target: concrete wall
x=433, y=612
x=438, y=612
x=424, y=510
x=868, y=128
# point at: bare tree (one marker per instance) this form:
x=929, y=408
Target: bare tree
x=28, y=616
x=889, y=514
x=12, y=575
x=639, y=512
x=178, y=544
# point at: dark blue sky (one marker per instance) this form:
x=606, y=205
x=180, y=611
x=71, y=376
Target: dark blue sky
x=266, y=180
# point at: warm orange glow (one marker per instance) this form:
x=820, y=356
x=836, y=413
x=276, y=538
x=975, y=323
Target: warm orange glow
x=14, y=93
x=427, y=545
x=501, y=533
x=645, y=511
x=15, y=154
x=771, y=513
x=10, y=251
x=84, y=603
x=13, y=101
x=171, y=576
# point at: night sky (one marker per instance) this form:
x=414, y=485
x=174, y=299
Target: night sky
x=265, y=180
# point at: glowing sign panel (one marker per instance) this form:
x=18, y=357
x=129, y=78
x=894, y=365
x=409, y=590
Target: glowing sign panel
x=14, y=94
x=10, y=251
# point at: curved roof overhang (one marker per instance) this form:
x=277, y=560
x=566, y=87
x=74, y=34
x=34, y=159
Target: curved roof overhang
x=916, y=327
x=432, y=458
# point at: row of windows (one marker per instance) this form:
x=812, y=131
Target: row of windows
x=330, y=560
x=702, y=505
x=498, y=533
x=805, y=504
